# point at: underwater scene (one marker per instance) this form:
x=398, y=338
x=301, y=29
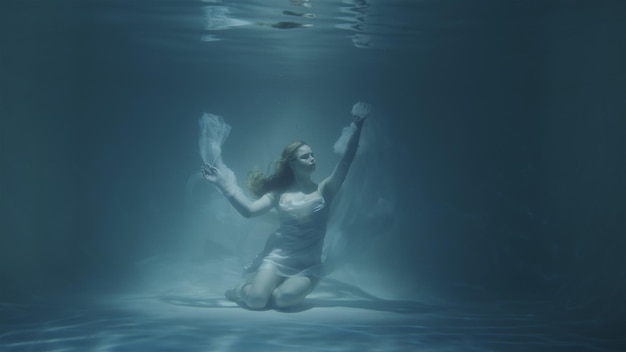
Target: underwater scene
x=306, y=175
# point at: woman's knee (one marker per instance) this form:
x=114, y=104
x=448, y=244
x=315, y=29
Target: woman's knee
x=257, y=299
x=259, y=292
x=283, y=298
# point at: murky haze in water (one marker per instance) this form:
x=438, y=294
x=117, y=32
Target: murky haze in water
x=489, y=187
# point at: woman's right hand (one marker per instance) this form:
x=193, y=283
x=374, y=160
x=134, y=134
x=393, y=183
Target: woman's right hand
x=211, y=173
x=222, y=177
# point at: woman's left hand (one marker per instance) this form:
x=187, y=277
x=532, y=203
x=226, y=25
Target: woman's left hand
x=360, y=111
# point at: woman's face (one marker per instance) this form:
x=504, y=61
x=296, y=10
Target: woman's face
x=304, y=160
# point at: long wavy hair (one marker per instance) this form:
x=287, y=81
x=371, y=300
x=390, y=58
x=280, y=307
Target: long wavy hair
x=281, y=177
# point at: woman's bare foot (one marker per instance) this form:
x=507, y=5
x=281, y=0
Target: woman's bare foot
x=235, y=294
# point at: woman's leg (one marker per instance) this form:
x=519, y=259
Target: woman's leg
x=256, y=294
x=292, y=291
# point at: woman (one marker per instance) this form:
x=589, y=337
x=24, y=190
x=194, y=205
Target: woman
x=290, y=265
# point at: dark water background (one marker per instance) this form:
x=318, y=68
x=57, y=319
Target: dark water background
x=508, y=122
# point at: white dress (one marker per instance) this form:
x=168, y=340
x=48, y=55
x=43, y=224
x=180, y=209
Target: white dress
x=295, y=249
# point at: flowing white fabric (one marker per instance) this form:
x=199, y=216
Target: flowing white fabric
x=213, y=133
x=342, y=142
x=364, y=210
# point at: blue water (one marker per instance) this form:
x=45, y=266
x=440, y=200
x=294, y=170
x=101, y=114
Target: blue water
x=486, y=213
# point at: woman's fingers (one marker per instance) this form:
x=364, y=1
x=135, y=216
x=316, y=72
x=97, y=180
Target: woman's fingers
x=206, y=170
x=361, y=109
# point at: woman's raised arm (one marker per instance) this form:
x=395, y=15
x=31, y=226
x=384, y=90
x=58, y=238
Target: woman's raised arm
x=226, y=182
x=331, y=184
